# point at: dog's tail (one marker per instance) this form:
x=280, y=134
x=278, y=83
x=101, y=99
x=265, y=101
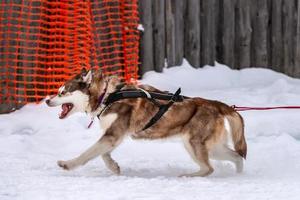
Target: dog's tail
x=237, y=131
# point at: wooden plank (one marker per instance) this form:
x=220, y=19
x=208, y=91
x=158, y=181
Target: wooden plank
x=297, y=54
x=170, y=34
x=276, y=34
x=208, y=55
x=243, y=33
x=269, y=33
x=146, y=48
x=228, y=32
x=180, y=7
x=288, y=36
x=218, y=30
x=159, y=34
x=192, y=40
x=260, y=39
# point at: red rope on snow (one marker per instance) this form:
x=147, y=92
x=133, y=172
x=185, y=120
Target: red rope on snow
x=243, y=108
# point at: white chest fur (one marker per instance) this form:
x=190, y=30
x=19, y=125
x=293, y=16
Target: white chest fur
x=107, y=120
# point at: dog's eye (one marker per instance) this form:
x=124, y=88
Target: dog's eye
x=62, y=93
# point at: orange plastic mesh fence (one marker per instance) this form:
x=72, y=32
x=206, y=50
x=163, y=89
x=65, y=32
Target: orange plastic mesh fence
x=45, y=42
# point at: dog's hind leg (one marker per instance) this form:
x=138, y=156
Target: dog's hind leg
x=111, y=163
x=199, y=153
x=106, y=144
x=225, y=153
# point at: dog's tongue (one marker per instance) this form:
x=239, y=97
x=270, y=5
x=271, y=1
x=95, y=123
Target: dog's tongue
x=65, y=110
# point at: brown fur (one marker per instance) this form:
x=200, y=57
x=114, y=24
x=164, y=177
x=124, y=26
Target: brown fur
x=199, y=121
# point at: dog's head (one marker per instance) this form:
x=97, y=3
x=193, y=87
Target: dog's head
x=73, y=95
x=81, y=93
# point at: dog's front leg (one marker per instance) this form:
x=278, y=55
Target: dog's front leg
x=105, y=145
x=110, y=163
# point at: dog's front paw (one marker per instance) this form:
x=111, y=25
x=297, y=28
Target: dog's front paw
x=66, y=165
x=115, y=168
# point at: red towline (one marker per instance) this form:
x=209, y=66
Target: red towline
x=243, y=108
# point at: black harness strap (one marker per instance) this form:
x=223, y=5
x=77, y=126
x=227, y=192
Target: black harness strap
x=135, y=93
x=164, y=108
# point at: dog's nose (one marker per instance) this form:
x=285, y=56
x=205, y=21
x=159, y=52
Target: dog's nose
x=48, y=102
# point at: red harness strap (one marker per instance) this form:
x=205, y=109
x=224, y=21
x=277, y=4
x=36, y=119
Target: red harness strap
x=243, y=108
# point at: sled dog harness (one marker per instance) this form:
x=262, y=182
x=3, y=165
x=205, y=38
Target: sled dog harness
x=141, y=93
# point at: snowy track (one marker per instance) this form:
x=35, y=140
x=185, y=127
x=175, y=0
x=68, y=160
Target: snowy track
x=33, y=139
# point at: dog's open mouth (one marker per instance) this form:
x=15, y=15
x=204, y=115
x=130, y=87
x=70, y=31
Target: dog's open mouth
x=66, y=108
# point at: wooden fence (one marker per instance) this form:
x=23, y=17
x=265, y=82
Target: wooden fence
x=238, y=33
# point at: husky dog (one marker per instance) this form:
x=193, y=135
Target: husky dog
x=205, y=126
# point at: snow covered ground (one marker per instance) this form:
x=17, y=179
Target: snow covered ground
x=33, y=139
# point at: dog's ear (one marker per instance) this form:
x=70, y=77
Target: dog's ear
x=88, y=77
x=97, y=75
